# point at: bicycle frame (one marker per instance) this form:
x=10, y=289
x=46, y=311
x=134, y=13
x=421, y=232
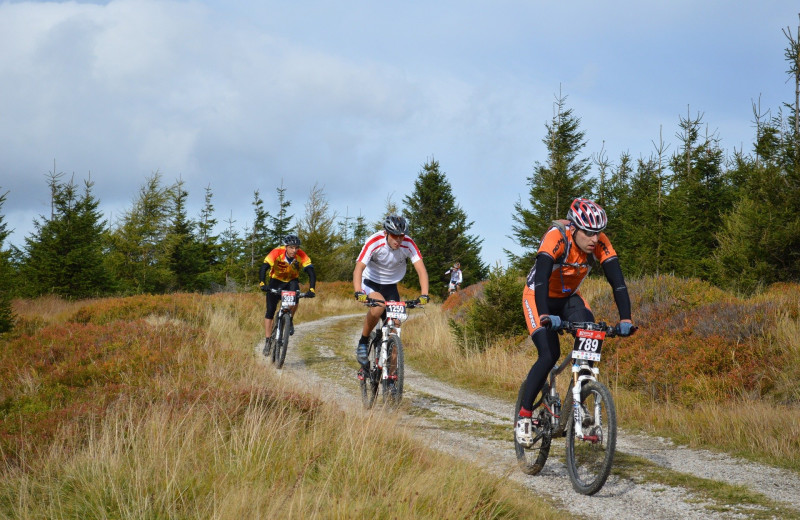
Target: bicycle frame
x=389, y=325
x=582, y=372
x=279, y=339
x=385, y=353
x=286, y=304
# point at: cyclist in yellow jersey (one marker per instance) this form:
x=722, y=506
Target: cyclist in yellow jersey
x=283, y=265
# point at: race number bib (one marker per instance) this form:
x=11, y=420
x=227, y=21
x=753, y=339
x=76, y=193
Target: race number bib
x=588, y=344
x=396, y=310
x=288, y=297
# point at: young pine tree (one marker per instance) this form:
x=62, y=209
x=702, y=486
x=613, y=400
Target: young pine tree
x=441, y=231
x=282, y=222
x=65, y=253
x=139, y=253
x=260, y=241
x=317, y=232
x=185, y=250
x=697, y=200
x=553, y=185
x=209, y=243
x=758, y=239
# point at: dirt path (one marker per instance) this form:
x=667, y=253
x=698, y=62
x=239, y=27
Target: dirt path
x=478, y=428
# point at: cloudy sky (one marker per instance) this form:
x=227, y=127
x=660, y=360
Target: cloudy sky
x=356, y=96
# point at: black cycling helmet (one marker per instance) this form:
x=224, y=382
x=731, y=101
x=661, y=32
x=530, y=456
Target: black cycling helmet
x=395, y=225
x=291, y=240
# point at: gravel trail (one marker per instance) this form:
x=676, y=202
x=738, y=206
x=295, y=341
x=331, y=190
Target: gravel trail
x=465, y=424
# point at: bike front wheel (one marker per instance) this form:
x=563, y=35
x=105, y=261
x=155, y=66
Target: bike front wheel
x=531, y=460
x=371, y=376
x=393, y=386
x=273, y=341
x=281, y=346
x=589, y=459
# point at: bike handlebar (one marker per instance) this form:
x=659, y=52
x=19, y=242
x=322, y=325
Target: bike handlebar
x=300, y=294
x=373, y=302
x=573, y=326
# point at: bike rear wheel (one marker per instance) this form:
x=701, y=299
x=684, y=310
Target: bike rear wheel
x=589, y=459
x=531, y=460
x=285, y=324
x=393, y=386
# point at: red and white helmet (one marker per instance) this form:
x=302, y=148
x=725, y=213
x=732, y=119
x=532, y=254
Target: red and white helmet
x=587, y=215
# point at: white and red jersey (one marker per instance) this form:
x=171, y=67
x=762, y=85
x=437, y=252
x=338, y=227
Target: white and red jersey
x=384, y=264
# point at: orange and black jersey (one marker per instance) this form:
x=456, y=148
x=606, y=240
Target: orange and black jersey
x=277, y=266
x=561, y=266
x=570, y=264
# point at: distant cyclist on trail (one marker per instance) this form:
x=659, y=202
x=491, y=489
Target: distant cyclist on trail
x=379, y=267
x=456, y=277
x=283, y=265
x=551, y=293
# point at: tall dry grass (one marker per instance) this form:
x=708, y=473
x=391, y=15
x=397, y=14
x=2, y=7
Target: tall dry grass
x=758, y=430
x=216, y=434
x=255, y=459
x=496, y=370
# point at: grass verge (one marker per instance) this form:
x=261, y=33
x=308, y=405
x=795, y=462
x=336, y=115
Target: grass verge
x=198, y=428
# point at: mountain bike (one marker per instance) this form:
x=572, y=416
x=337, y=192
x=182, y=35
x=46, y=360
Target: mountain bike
x=278, y=341
x=589, y=421
x=385, y=354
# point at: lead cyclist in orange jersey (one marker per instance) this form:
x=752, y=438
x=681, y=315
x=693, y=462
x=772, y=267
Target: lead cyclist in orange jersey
x=551, y=293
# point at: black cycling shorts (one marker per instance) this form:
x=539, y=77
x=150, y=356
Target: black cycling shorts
x=273, y=299
x=388, y=291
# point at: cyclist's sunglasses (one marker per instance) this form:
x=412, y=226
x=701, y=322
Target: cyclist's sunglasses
x=396, y=237
x=590, y=234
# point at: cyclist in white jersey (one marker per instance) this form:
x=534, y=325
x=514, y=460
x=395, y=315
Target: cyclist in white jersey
x=379, y=267
x=455, y=277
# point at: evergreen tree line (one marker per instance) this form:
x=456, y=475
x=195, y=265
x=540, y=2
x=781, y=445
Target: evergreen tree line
x=732, y=219
x=156, y=247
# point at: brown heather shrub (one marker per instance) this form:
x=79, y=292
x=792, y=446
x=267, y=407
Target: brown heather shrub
x=180, y=306
x=457, y=303
x=49, y=309
x=64, y=374
x=699, y=343
x=27, y=325
x=735, y=321
x=335, y=289
x=75, y=370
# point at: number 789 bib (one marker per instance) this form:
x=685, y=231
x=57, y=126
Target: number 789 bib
x=588, y=344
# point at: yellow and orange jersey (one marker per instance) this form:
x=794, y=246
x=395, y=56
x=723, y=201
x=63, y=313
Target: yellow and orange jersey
x=282, y=269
